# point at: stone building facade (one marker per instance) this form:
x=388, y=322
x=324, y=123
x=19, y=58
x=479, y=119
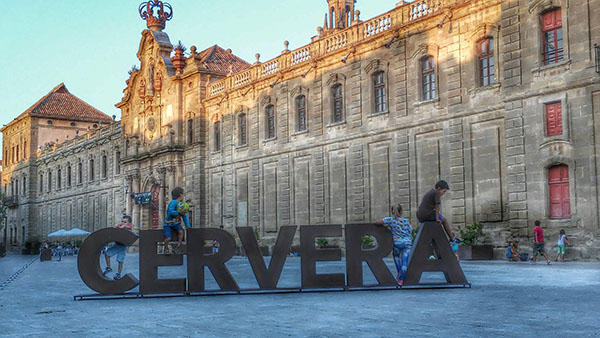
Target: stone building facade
x=498, y=97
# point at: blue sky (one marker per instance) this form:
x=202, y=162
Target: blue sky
x=90, y=45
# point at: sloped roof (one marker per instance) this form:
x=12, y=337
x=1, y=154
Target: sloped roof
x=217, y=59
x=60, y=104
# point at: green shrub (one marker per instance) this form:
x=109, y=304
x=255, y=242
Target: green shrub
x=321, y=242
x=367, y=241
x=471, y=233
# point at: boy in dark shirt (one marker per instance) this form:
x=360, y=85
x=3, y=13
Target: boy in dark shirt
x=429, y=209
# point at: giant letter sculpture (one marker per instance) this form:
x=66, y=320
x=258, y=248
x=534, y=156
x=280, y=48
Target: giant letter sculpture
x=310, y=255
x=267, y=278
x=431, y=234
x=88, y=261
x=355, y=255
x=150, y=261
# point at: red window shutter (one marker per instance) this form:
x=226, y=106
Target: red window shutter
x=552, y=20
x=554, y=119
x=558, y=186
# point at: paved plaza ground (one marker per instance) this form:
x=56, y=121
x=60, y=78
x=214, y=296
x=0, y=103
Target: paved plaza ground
x=506, y=299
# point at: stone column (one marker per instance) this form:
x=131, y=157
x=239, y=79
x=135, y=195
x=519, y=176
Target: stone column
x=137, y=208
x=128, y=200
x=170, y=179
x=161, y=193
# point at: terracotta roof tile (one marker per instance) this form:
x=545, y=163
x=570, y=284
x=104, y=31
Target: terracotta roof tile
x=61, y=104
x=217, y=59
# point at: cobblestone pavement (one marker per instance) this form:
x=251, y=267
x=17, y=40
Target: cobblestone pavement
x=507, y=299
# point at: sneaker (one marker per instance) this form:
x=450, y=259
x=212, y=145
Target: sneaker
x=117, y=276
x=107, y=270
x=400, y=282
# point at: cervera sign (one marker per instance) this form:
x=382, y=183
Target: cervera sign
x=430, y=235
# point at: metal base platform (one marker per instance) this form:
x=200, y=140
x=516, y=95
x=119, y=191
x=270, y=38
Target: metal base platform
x=137, y=295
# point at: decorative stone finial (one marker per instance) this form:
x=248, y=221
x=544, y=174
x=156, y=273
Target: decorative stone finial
x=155, y=22
x=257, y=58
x=179, y=59
x=286, y=43
x=357, y=15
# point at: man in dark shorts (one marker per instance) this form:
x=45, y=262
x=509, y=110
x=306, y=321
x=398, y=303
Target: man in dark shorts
x=429, y=209
x=538, y=243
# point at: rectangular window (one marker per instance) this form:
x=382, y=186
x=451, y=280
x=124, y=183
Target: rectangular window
x=41, y=183
x=428, y=78
x=379, y=86
x=558, y=187
x=554, y=119
x=69, y=176
x=485, y=51
x=59, y=179
x=242, y=125
x=270, y=115
x=217, y=131
x=49, y=181
x=301, y=112
x=338, y=103
x=190, y=130
x=118, y=162
x=91, y=170
x=552, y=36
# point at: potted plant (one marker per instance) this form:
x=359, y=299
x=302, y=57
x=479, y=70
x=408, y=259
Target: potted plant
x=322, y=242
x=470, y=248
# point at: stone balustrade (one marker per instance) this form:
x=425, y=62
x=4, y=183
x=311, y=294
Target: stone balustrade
x=401, y=16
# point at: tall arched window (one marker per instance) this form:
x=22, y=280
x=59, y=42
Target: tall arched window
x=59, y=179
x=69, y=176
x=79, y=173
x=49, y=181
x=243, y=137
x=301, y=112
x=118, y=162
x=552, y=35
x=338, y=102
x=91, y=178
x=190, y=130
x=379, y=90
x=485, y=55
x=270, y=119
x=41, y=183
x=558, y=188
x=428, y=77
x=104, y=166
x=24, y=186
x=217, y=135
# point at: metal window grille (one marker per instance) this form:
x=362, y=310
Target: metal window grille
x=270, y=112
x=301, y=110
x=242, y=121
x=337, y=103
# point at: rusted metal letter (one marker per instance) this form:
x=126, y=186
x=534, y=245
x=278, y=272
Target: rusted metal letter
x=150, y=261
x=355, y=255
x=267, y=278
x=310, y=255
x=431, y=234
x=197, y=260
x=88, y=261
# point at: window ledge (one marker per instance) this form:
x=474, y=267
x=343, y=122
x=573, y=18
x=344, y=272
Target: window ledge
x=565, y=64
x=336, y=124
x=422, y=103
x=482, y=89
x=215, y=152
x=301, y=132
x=267, y=140
x=242, y=146
x=380, y=113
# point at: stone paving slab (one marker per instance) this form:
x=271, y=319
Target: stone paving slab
x=507, y=299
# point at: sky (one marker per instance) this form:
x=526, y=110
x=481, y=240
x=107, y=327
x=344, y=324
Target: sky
x=91, y=45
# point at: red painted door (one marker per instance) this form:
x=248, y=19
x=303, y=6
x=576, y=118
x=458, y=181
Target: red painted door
x=558, y=184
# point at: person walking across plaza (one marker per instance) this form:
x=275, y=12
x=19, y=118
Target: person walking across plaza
x=538, y=243
x=562, y=239
x=118, y=249
x=402, y=235
x=175, y=218
x=429, y=209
